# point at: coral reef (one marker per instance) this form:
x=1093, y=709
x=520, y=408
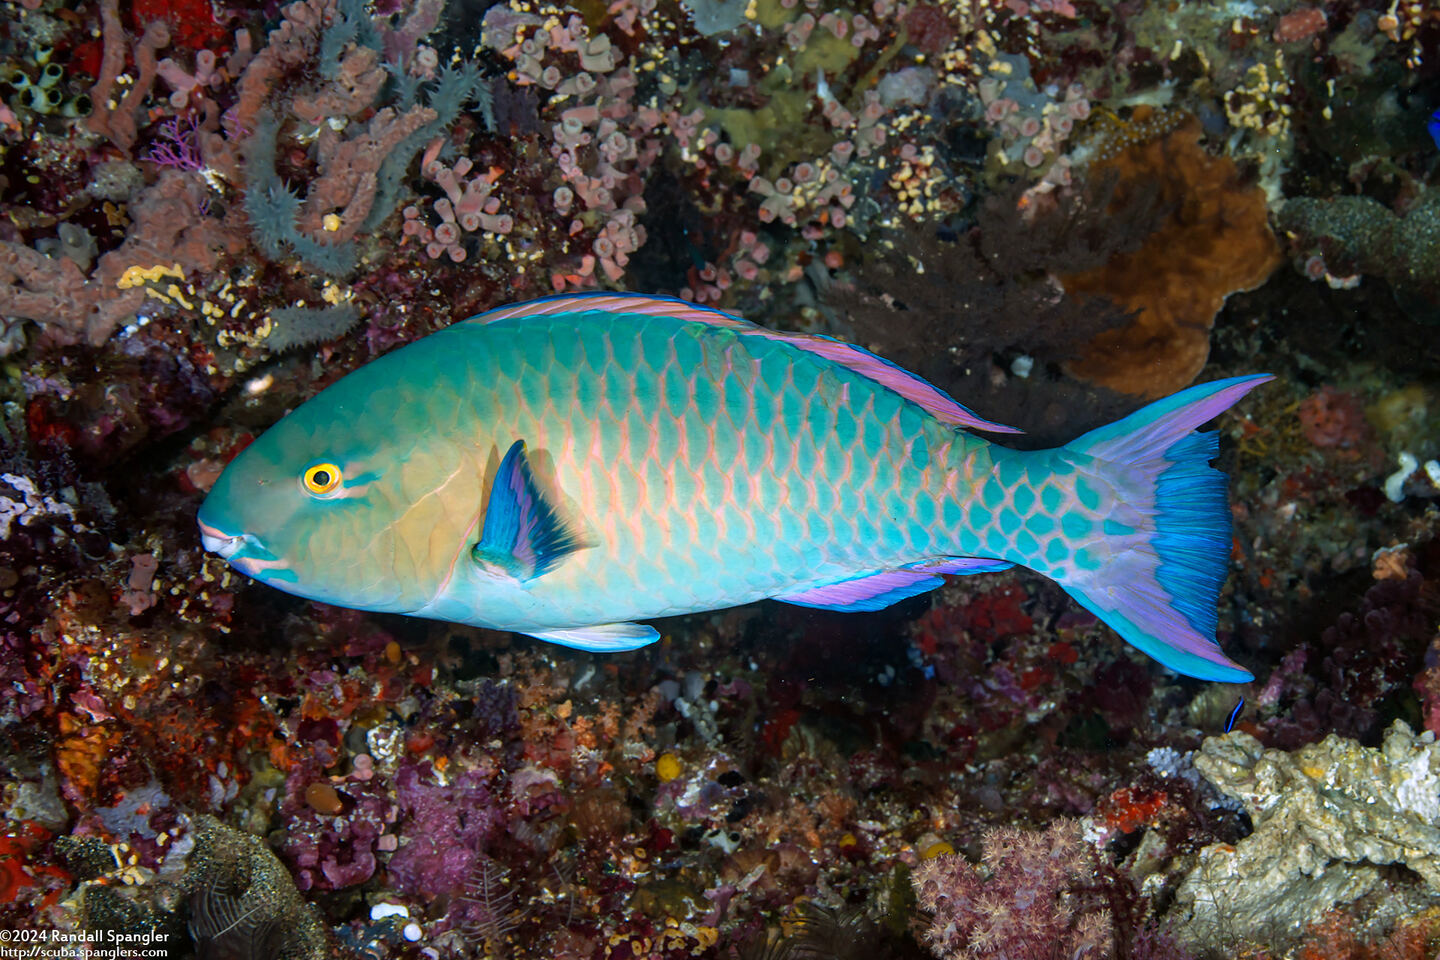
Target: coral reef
x=979, y=314
x=1327, y=818
x=1215, y=241
x=1049, y=209
x=1339, y=238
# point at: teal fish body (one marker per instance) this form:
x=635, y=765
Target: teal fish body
x=567, y=467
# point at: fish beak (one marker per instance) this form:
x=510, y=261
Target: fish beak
x=219, y=542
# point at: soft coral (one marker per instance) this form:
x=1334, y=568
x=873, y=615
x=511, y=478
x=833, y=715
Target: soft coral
x=1035, y=904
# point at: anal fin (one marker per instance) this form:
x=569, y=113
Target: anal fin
x=876, y=591
x=601, y=637
x=961, y=566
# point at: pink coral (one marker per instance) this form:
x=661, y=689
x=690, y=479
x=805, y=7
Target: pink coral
x=168, y=228
x=121, y=123
x=1333, y=418
x=1033, y=899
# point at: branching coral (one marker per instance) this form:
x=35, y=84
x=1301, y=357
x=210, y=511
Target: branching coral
x=358, y=174
x=1216, y=241
x=171, y=234
x=120, y=123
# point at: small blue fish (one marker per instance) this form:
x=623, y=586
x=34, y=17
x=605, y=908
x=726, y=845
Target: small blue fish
x=1433, y=125
x=1234, y=715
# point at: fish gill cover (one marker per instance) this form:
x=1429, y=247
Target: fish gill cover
x=1049, y=210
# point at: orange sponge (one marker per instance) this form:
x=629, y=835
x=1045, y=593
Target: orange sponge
x=1215, y=241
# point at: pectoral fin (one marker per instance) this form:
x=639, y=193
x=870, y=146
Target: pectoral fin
x=524, y=535
x=602, y=637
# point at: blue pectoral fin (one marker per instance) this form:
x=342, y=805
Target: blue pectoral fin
x=601, y=637
x=523, y=535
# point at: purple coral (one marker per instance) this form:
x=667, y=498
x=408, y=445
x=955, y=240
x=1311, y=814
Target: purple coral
x=1036, y=899
x=446, y=828
x=177, y=144
x=331, y=850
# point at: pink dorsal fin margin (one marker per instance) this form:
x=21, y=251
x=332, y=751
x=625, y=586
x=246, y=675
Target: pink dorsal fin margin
x=932, y=399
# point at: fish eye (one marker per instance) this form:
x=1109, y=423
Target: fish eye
x=320, y=479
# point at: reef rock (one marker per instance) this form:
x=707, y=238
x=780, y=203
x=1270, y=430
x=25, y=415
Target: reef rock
x=1327, y=817
x=243, y=902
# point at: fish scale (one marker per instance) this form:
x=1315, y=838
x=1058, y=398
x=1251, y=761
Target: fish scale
x=568, y=466
x=790, y=473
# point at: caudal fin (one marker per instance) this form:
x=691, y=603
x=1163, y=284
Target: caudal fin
x=1158, y=588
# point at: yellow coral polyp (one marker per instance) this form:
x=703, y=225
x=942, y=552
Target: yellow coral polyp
x=667, y=767
x=137, y=275
x=939, y=849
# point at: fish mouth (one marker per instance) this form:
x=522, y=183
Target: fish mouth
x=246, y=553
x=221, y=543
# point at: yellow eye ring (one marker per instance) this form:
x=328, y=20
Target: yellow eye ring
x=320, y=479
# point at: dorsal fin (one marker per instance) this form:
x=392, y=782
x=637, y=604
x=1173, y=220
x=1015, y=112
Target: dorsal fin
x=932, y=399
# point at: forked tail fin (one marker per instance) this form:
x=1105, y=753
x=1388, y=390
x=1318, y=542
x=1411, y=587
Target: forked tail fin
x=1157, y=585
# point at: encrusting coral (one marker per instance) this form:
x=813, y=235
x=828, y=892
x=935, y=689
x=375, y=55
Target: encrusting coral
x=1216, y=241
x=1359, y=235
x=1327, y=818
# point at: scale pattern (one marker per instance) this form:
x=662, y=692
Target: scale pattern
x=707, y=468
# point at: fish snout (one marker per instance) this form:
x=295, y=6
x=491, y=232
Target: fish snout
x=219, y=542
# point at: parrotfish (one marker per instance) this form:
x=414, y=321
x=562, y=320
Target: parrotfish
x=566, y=467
